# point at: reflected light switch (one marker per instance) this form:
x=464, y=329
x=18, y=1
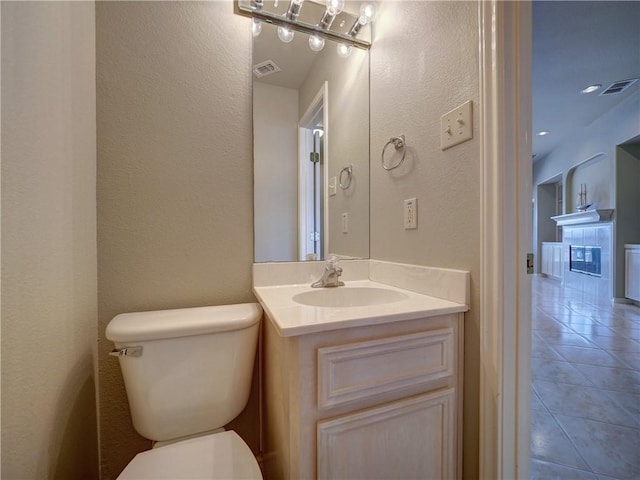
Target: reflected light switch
x=332, y=186
x=345, y=222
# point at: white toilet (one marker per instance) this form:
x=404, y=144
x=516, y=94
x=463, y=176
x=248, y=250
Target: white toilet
x=188, y=373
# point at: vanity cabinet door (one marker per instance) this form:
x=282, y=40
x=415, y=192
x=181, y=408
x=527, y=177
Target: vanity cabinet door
x=358, y=371
x=412, y=438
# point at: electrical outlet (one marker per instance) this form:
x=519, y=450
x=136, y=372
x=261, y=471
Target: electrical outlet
x=345, y=222
x=411, y=213
x=456, y=126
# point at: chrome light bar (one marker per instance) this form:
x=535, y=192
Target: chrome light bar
x=311, y=18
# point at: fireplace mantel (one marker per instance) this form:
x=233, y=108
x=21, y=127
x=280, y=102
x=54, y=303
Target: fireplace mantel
x=590, y=216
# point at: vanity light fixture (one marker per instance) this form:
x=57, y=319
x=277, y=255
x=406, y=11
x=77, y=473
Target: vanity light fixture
x=319, y=19
x=367, y=15
x=344, y=50
x=256, y=24
x=285, y=34
x=256, y=27
x=334, y=7
x=591, y=88
x=316, y=43
x=294, y=9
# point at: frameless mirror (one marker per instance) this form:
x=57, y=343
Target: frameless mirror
x=310, y=148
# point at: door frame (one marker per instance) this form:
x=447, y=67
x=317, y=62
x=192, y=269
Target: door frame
x=506, y=224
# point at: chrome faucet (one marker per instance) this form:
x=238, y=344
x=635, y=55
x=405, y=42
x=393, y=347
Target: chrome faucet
x=331, y=275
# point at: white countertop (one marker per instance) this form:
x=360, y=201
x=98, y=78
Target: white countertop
x=291, y=318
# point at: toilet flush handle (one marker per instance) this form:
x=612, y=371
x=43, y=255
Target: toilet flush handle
x=126, y=352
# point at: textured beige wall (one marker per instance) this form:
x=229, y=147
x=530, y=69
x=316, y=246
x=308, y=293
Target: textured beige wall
x=175, y=185
x=275, y=170
x=49, y=309
x=424, y=62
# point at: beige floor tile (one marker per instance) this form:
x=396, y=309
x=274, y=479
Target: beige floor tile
x=611, y=450
x=586, y=386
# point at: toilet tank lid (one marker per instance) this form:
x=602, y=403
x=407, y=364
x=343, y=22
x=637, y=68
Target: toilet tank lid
x=182, y=322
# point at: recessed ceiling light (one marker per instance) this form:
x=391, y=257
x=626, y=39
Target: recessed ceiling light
x=543, y=133
x=591, y=88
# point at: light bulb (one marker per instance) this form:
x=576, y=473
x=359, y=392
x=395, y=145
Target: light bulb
x=367, y=13
x=334, y=7
x=344, y=50
x=285, y=34
x=316, y=43
x=256, y=27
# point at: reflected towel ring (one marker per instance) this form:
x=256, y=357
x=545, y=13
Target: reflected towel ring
x=398, y=143
x=347, y=183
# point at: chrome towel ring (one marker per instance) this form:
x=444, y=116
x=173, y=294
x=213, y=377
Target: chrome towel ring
x=347, y=182
x=398, y=143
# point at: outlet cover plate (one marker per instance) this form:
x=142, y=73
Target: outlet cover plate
x=456, y=126
x=410, y=213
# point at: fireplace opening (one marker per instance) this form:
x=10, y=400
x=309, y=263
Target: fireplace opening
x=585, y=259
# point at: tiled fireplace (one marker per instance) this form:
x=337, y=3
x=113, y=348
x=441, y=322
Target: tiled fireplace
x=585, y=259
x=587, y=253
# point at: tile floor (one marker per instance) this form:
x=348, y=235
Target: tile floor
x=585, y=386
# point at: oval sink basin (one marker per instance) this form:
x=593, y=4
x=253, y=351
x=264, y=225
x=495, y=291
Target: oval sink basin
x=348, y=297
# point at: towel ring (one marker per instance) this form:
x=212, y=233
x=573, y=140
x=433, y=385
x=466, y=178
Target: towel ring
x=398, y=143
x=347, y=183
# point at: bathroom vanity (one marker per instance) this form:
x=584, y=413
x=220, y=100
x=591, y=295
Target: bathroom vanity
x=362, y=381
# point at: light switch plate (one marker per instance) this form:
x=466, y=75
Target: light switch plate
x=332, y=186
x=456, y=126
x=345, y=222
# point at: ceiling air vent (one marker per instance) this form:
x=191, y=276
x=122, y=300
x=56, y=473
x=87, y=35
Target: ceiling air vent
x=265, y=68
x=619, y=87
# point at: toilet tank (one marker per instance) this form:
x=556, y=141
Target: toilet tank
x=195, y=368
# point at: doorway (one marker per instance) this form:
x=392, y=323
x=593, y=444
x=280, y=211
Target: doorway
x=585, y=379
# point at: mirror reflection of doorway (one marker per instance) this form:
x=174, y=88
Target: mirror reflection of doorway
x=312, y=175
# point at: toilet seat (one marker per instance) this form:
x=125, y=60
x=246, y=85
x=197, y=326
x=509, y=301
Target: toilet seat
x=215, y=456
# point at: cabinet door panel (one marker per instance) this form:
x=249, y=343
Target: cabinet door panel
x=557, y=261
x=360, y=370
x=412, y=438
x=632, y=274
x=545, y=262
